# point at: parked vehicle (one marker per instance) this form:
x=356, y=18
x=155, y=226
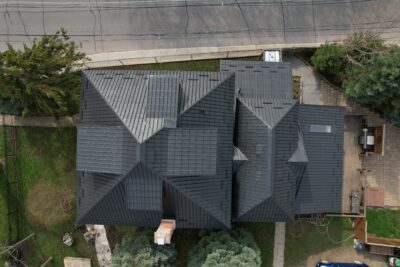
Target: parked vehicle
x=393, y=261
x=340, y=264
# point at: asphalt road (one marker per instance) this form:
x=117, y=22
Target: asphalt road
x=121, y=25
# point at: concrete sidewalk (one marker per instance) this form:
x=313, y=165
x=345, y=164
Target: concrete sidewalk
x=279, y=244
x=310, y=80
x=112, y=59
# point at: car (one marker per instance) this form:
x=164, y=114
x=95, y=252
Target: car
x=393, y=261
x=340, y=264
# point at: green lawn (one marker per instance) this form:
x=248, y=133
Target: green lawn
x=48, y=154
x=308, y=239
x=198, y=65
x=264, y=235
x=384, y=222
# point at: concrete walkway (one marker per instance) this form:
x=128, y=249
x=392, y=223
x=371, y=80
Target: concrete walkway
x=279, y=244
x=102, y=246
x=10, y=120
x=310, y=81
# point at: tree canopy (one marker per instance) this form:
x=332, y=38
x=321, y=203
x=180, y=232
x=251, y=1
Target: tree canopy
x=137, y=250
x=225, y=248
x=377, y=84
x=40, y=80
x=368, y=71
x=330, y=59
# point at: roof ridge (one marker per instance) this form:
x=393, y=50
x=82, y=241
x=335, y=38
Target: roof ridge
x=122, y=177
x=195, y=202
x=109, y=106
x=252, y=111
x=286, y=112
x=208, y=93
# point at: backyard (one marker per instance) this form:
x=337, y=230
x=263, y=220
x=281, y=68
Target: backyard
x=304, y=239
x=46, y=158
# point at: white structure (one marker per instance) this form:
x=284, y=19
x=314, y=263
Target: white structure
x=164, y=232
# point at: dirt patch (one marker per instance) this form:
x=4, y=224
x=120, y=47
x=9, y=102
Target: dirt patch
x=347, y=254
x=48, y=203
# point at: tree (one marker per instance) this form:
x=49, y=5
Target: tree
x=330, y=59
x=225, y=248
x=377, y=84
x=137, y=250
x=40, y=79
x=361, y=47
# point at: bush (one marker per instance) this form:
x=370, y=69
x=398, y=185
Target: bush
x=377, y=84
x=330, y=59
x=40, y=79
x=225, y=248
x=138, y=250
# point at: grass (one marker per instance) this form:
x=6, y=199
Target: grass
x=384, y=223
x=198, y=65
x=48, y=155
x=304, y=240
x=264, y=235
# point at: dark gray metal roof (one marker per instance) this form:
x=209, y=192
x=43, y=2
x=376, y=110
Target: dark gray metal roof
x=321, y=188
x=269, y=186
x=155, y=145
x=256, y=79
x=270, y=112
x=145, y=158
x=106, y=149
x=126, y=93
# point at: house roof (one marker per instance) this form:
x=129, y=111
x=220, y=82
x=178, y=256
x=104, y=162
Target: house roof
x=160, y=144
x=150, y=138
x=321, y=188
x=285, y=173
